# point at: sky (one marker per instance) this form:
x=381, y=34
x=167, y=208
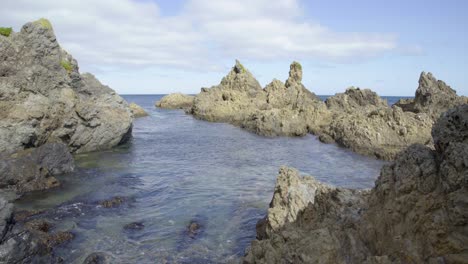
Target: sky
x=158, y=47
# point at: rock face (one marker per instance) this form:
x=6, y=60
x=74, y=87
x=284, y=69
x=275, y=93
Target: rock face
x=43, y=97
x=416, y=213
x=137, y=110
x=176, y=101
x=432, y=97
x=277, y=110
x=34, y=169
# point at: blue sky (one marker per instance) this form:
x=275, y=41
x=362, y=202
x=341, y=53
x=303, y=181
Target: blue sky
x=151, y=46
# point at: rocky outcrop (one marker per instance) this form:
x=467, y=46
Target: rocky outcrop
x=176, y=101
x=44, y=98
x=432, y=97
x=278, y=110
x=34, y=169
x=137, y=110
x=416, y=213
x=378, y=131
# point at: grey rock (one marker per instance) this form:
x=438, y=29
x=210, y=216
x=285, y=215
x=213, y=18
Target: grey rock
x=416, y=213
x=44, y=98
x=34, y=169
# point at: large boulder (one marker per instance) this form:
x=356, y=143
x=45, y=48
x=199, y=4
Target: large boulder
x=416, y=213
x=176, y=101
x=34, y=169
x=432, y=97
x=44, y=98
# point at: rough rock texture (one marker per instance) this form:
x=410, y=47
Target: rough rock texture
x=278, y=110
x=364, y=122
x=137, y=110
x=43, y=97
x=416, y=213
x=176, y=101
x=34, y=169
x=357, y=119
x=355, y=98
x=432, y=97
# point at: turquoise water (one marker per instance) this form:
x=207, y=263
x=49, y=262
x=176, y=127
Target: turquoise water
x=176, y=170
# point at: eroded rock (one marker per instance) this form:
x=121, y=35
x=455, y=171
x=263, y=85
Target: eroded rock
x=416, y=213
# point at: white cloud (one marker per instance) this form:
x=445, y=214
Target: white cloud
x=123, y=33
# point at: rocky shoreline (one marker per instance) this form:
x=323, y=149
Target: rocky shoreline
x=357, y=119
x=416, y=213
x=48, y=111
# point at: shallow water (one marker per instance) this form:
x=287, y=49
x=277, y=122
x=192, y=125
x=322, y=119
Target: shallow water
x=177, y=169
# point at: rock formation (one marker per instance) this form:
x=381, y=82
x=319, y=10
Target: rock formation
x=176, y=101
x=432, y=97
x=416, y=213
x=357, y=119
x=363, y=122
x=137, y=110
x=278, y=110
x=43, y=97
x=34, y=169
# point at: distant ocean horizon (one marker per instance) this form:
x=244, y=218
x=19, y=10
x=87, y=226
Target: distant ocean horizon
x=391, y=100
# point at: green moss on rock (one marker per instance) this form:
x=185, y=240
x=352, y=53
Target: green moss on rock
x=297, y=65
x=43, y=23
x=4, y=31
x=66, y=65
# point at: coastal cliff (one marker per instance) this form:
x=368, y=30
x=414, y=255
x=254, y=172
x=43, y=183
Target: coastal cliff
x=416, y=213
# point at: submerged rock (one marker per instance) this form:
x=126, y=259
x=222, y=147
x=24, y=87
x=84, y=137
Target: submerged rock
x=34, y=169
x=137, y=110
x=176, y=101
x=99, y=258
x=416, y=213
x=134, y=226
x=113, y=202
x=193, y=229
x=44, y=98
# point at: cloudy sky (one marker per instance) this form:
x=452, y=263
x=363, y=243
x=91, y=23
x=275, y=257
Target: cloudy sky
x=156, y=46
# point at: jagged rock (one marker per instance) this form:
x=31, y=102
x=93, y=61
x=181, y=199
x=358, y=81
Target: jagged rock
x=381, y=133
x=364, y=122
x=34, y=169
x=416, y=213
x=176, y=101
x=432, y=97
x=137, y=110
x=43, y=97
x=278, y=110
